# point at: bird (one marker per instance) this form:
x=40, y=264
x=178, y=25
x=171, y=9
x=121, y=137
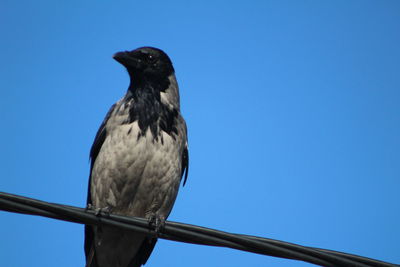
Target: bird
x=138, y=159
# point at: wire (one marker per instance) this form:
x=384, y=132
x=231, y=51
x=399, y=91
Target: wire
x=188, y=233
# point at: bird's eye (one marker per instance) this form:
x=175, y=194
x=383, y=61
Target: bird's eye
x=151, y=58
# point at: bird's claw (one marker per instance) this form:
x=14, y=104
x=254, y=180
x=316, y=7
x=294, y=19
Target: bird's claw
x=104, y=212
x=89, y=207
x=158, y=222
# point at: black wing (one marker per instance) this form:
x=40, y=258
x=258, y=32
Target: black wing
x=185, y=164
x=94, y=151
x=97, y=144
x=185, y=156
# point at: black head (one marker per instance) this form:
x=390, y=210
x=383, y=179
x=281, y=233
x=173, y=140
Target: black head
x=145, y=62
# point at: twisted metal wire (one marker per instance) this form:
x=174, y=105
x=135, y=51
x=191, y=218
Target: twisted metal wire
x=188, y=233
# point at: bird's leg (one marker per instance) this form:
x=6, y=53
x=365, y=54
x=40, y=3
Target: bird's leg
x=157, y=221
x=99, y=212
x=105, y=212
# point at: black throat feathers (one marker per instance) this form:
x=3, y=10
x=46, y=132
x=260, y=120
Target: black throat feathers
x=148, y=110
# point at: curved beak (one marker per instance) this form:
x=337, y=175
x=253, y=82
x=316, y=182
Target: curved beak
x=126, y=59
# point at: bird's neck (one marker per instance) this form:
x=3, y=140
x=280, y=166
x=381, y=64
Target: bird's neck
x=149, y=111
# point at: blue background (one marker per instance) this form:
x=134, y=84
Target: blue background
x=292, y=108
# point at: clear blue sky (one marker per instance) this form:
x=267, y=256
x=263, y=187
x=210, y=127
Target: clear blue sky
x=293, y=110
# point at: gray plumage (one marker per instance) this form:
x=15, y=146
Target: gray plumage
x=137, y=160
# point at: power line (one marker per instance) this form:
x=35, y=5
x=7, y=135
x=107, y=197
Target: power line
x=188, y=233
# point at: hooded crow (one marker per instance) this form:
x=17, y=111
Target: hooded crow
x=138, y=158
